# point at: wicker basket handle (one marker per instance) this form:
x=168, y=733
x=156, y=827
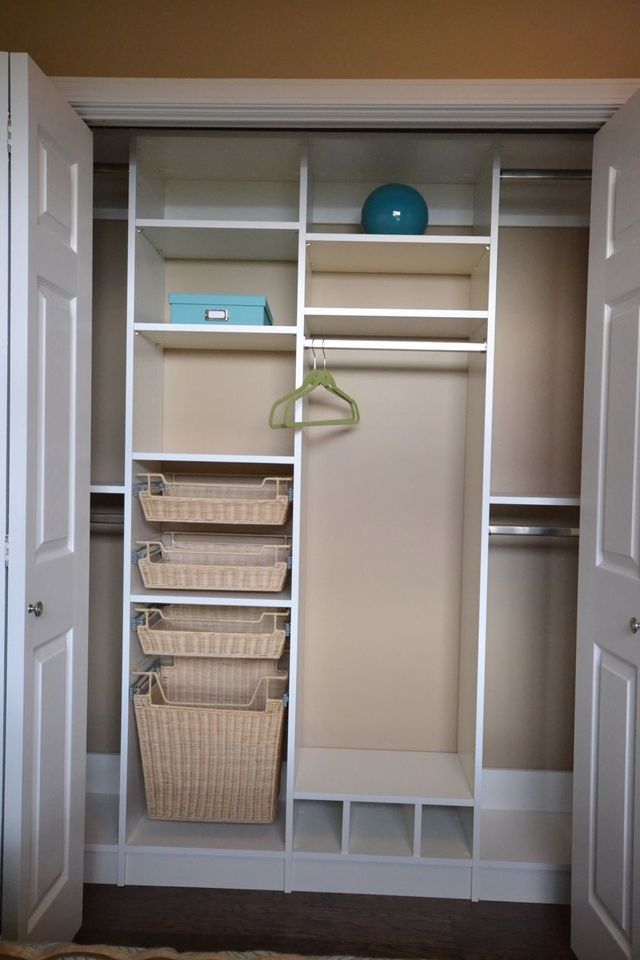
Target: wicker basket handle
x=275, y=692
x=229, y=548
x=152, y=547
x=147, y=480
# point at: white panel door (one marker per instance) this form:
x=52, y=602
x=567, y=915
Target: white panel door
x=4, y=368
x=48, y=519
x=606, y=847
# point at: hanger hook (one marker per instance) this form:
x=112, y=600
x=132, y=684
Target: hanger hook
x=324, y=356
x=313, y=351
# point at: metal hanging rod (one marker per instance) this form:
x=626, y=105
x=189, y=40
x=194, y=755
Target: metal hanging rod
x=432, y=346
x=532, y=531
x=106, y=518
x=545, y=174
x=106, y=166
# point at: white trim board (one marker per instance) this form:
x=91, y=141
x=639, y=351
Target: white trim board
x=390, y=104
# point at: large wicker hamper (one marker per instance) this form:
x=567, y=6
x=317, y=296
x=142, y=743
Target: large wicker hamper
x=211, y=762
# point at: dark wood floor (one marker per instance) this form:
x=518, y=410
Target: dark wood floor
x=411, y=927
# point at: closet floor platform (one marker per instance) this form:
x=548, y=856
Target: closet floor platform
x=324, y=924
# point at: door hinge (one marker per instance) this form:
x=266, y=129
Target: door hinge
x=6, y=549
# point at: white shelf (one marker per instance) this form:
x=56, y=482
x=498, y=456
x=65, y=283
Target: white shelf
x=222, y=239
x=168, y=456
x=188, y=336
x=107, y=488
x=216, y=599
x=352, y=322
x=526, y=500
x=525, y=836
x=257, y=838
x=381, y=775
x=367, y=253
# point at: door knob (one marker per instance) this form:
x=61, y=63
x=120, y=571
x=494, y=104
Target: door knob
x=36, y=608
x=634, y=624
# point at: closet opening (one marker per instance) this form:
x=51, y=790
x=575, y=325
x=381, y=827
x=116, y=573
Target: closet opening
x=429, y=598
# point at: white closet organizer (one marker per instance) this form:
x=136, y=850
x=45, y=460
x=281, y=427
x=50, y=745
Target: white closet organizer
x=415, y=763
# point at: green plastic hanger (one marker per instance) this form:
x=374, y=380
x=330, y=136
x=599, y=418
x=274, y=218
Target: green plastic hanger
x=313, y=379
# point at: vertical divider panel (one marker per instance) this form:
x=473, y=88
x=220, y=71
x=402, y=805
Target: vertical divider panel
x=476, y=529
x=476, y=516
x=149, y=292
x=417, y=830
x=126, y=584
x=297, y=522
x=483, y=209
x=148, y=390
x=346, y=827
x=4, y=369
x=467, y=819
x=472, y=823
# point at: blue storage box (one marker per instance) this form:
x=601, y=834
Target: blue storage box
x=219, y=308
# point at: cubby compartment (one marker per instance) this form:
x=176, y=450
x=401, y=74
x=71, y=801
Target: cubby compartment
x=318, y=826
x=451, y=172
x=546, y=182
x=539, y=361
x=531, y=628
x=228, y=261
x=184, y=372
x=201, y=853
x=525, y=835
x=168, y=540
x=210, y=401
x=218, y=177
x=442, y=285
x=381, y=829
x=446, y=833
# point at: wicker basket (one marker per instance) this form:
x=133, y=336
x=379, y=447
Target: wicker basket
x=227, y=682
x=175, y=563
x=200, y=631
x=207, y=762
x=203, y=499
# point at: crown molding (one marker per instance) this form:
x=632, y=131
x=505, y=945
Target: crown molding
x=395, y=104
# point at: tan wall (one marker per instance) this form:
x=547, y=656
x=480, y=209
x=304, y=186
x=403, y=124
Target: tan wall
x=464, y=39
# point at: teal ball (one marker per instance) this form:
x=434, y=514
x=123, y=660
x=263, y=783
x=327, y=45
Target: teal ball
x=395, y=208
